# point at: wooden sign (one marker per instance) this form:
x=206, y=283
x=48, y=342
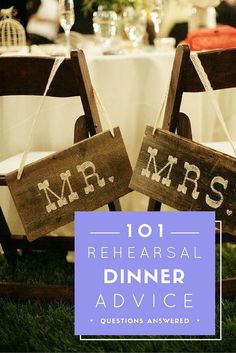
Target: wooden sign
x=84, y=177
x=187, y=176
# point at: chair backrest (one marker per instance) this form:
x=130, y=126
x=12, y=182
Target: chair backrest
x=221, y=70
x=29, y=76
x=219, y=66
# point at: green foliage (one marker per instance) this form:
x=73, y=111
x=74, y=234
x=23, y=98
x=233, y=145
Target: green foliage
x=115, y=5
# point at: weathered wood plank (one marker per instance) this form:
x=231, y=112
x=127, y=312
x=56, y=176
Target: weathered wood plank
x=194, y=177
x=95, y=171
x=50, y=243
x=228, y=288
x=43, y=292
x=20, y=82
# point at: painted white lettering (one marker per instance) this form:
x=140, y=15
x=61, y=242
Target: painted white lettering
x=61, y=200
x=157, y=175
x=191, y=168
x=216, y=203
x=145, y=171
x=89, y=187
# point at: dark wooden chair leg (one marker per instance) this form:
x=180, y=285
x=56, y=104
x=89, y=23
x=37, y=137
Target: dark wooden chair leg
x=114, y=206
x=154, y=205
x=7, y=244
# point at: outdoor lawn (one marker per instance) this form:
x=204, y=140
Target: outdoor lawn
x=49, y=327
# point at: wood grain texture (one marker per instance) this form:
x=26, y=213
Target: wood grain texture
x=219, y=66
x=29, y=76
x=50, y=243
x=228, y=288
x=87, y=93
x=111, y=161
x=25, y=292
x=210, y=164
x=175, y=89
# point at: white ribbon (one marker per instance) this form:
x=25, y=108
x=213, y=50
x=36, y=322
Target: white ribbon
x=54, y=69
x=103, y=112
x=211, y=94
x=160, y=114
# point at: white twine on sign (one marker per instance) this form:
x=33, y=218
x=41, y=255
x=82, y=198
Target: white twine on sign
x=161, y=113
x=103, y=112
x=211, y=94
x=53, y=72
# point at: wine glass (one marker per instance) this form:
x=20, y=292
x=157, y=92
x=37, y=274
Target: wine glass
x=135, y=22
x=157, y=15
x=67, y=19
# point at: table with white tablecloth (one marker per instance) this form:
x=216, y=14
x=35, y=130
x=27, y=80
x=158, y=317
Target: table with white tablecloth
x=132, y=88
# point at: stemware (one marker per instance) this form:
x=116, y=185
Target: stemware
x=105, y=25
x=135, y=22
x=157, y=15
x=67, y=19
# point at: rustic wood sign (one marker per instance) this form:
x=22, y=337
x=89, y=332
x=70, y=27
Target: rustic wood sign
x=187, y=176
x=84, y=177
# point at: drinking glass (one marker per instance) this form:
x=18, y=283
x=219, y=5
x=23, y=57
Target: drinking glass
x=157, y=15
x=105, y=25
x=135, y=22
x=67, y=18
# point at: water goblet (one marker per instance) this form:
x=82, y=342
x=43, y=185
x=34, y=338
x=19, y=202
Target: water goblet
x=135, y=23
x=105, y=25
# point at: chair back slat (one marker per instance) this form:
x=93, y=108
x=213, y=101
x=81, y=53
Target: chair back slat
x=29, y=76
x=219, y=66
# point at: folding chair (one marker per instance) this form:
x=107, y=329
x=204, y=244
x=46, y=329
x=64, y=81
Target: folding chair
x=29, y=76
x=220, y=68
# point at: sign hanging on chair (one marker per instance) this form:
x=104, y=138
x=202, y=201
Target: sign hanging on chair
x=186, y=176
x=86, y=176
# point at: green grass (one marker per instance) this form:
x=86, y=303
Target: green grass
x=49, y=327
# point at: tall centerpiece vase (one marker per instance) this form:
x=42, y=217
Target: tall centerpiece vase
x=203, y=14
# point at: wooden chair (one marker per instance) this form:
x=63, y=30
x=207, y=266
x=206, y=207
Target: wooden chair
x=72, y=79
x=220, y=68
